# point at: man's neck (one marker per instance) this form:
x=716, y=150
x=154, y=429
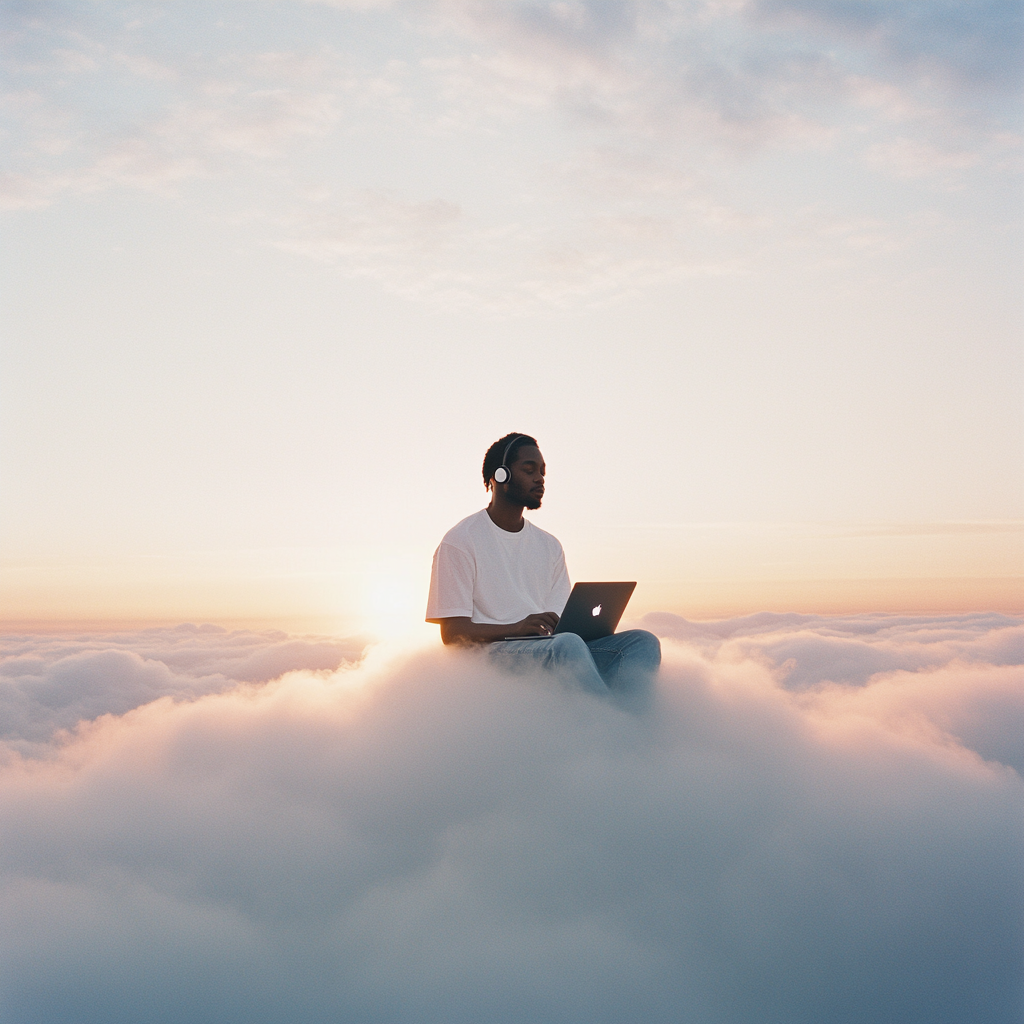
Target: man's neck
x=505, y=516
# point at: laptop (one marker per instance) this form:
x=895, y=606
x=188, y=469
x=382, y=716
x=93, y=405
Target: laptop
x=592, y=611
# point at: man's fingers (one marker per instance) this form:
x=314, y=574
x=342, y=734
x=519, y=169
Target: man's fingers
x=541, y=622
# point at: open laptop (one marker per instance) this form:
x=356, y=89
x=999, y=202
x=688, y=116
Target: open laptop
x=592, y=611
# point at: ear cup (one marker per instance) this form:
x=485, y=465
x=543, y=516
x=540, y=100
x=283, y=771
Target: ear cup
x=503, y=474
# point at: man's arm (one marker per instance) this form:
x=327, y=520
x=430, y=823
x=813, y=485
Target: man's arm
x=463, y=630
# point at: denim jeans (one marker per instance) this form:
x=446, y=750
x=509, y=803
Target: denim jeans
x=623, y=662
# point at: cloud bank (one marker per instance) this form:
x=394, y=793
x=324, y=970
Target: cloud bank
x=820, y=820
x=51, y=683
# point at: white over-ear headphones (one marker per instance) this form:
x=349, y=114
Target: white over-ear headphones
x=503, y=474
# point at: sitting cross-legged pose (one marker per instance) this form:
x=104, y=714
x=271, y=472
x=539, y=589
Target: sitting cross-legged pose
x=496, y=575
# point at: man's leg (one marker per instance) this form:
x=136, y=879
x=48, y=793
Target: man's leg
x=627, y=661
x=564, y=655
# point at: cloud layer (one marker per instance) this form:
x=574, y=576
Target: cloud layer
x=516, y=153
x=820, y=820
x=51, y=683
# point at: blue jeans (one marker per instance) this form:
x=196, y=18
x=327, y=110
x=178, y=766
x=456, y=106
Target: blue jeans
x=623, y=662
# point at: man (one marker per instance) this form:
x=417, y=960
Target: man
x=496, y=575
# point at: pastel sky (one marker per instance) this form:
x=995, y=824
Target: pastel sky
x=276, y=274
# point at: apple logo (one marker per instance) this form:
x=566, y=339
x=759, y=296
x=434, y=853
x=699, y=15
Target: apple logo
x=596, y=611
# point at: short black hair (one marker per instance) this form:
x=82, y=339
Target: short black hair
x=513, y=442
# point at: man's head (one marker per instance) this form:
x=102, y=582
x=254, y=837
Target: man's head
x=521, y=456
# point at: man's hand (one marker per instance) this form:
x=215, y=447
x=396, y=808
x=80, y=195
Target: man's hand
x=543, y=622
x=462, y=630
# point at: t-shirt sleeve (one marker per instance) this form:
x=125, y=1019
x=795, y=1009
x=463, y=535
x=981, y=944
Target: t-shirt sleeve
x=452, y=578
x=560, y=586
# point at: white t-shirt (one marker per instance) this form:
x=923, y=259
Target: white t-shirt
x=494, y=576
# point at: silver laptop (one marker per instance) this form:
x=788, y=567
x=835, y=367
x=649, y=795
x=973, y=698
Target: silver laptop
x=592, y=611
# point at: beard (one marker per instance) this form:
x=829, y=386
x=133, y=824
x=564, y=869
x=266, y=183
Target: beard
x=522, y=497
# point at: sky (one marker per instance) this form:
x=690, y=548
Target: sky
x=819, y=819
x=277, y=273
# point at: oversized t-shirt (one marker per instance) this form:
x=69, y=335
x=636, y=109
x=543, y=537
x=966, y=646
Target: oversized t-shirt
x=490, y=575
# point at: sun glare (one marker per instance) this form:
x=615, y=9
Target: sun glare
x=393, y=605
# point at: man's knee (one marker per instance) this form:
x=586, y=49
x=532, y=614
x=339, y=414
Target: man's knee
x=652, y=647
x=569, y=647
x=644, y=647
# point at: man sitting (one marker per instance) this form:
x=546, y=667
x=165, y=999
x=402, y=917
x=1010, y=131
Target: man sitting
x=496, y=575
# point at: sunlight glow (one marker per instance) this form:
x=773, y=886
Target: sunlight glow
x=393, y=604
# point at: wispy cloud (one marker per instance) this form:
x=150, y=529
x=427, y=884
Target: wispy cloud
x=432, y=250
x=977, y=43
x=419, y=837
x=749, y=72
x=200, y=131
x=658, y=108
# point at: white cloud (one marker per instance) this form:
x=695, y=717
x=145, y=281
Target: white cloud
x=919, y=158
x=429, y=250
x=959, y=675
x=747, y=73
x=419, y=838
x=975, y=43
x=202, y=137
x=24, y=192
x=654, y=106
x=49, y=684
x=253, y=122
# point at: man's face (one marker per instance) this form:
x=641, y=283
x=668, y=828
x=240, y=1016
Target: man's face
x=526, y=487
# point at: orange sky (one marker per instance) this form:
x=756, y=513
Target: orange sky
x=700, y=571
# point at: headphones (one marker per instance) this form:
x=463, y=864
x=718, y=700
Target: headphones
x=503, y=474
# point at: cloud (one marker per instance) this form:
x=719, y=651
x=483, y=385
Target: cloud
x=930, y=529
x=419, y=838
x=432, y=250
x=91, y=104
x=727, y=74
x=747, y=72
x=48, y=684
x=194, y=138
x=959, y=674
x=815, y=649
x=978, y=42
x=626, y=134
